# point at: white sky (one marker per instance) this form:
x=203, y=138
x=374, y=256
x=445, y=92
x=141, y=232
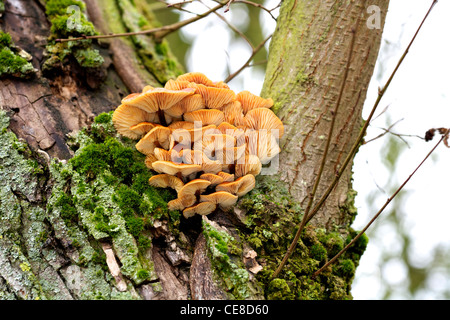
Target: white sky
x=419, y=98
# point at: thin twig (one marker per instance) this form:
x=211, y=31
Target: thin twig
x=228, y=5
x=399, y=135
x=158, y=33
x=324, y=158
x=232, y=27
x=379, y=211
x=360, y=138
x=269, y=11
x=247, y=63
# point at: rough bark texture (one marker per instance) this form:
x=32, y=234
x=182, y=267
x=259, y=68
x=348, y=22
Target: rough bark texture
x=308, y=57
x=73, y=193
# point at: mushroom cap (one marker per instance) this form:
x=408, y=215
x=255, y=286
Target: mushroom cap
x=176, y=84
x=238, y=187
x=126, y=116
x=248, y=164
x=166, y=180
x=188, y=104
x=215, y=98
x=213, y=178
x=142, y=128
x=188, y=194
x=188, y=136
x=247, y=183
x=182, y=202
x=175, y=168
x=149, y=159
x=157, y=99
x=250, y=101
x=218, y=146
x=157, y=137
x=262, y=118
x=222, y=198
x=229, y=155
x=263, y=144
x=147, y=88
x=227, y=177
x=166, y=155
x=181, y=125
x=196, y=77
x=220, y=84
x=230, y=187
x=234, y=113
x=226, y=128
x=194, y=187
x=205, y=116
x=202, y=208
x=198, y=157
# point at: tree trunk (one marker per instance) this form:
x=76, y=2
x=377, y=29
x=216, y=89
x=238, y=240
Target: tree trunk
x=78, y=219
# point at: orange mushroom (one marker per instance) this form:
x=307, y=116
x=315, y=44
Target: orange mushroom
x=126, y=116
x=250, y=101
x=262, y=118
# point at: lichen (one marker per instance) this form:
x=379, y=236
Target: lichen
x=104, y=188
x=226, y=262
x=79, y=213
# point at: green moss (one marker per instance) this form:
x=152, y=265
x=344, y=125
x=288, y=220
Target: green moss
x=105, y=185
x=68, y=211
x=67, y=19
x=104, y=118
x=272, y=219
x=5, y=40
x=59, y=7
x=11, y=63
x=278, y=289
x=226, y=264
x=318, y=252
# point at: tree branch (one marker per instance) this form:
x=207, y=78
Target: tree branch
x=158, y=33
x=445, y=136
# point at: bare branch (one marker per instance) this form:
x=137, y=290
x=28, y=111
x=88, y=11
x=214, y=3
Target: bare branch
x=362, y=133
x=388, y=131
x=308, y=216
x=445, y=136
x=158, y=33
x=247, y=63
x=232, y=27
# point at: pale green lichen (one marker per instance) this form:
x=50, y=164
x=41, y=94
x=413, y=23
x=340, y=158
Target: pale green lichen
x=226, y=262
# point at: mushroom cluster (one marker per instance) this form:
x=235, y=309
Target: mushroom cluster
x=205, y=141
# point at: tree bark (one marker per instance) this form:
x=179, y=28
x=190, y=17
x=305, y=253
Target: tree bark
x=45, y=253
x=306, y=87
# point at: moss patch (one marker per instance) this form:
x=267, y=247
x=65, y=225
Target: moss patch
x=11, y=63
x=104, y=189
x=226, y=262
x=68, y=19
x=272, y=221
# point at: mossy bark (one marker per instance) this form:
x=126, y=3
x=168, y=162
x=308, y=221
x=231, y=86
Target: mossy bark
x=307, y=62
x=79, y=220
